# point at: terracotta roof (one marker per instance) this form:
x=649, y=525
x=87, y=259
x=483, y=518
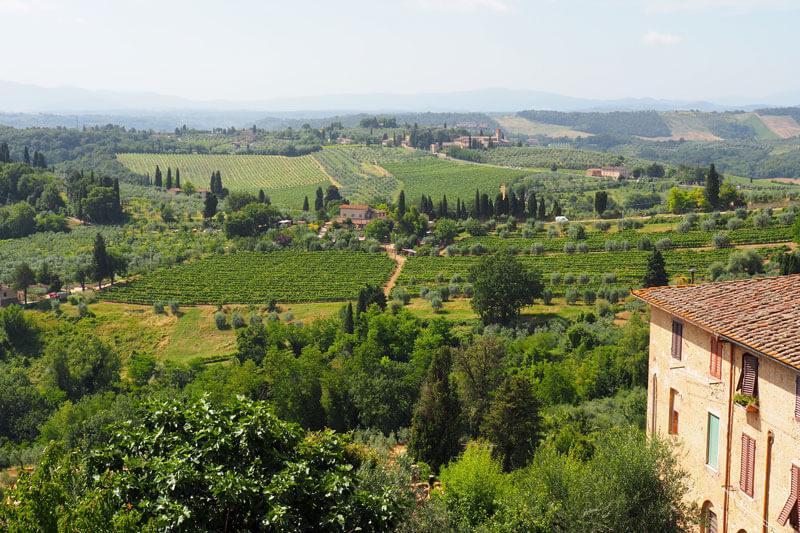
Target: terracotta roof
x=353, y=206
x=762, y=313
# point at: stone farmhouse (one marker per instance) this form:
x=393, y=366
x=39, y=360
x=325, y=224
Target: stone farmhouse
x=724, y=387
x=483, y=141
x=614, y=173
x=360, y=215
x=8, y=296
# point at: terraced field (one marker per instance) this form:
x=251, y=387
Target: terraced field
x=255, y=277
x=285, y=179
x=437, y=177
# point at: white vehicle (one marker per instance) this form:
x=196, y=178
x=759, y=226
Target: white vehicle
x=562, y=219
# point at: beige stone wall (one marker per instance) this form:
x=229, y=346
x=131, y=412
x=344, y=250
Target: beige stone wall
x=700, y=393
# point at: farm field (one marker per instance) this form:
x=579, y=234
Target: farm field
x=688, y=126
x=762, y=131
x=436, y=177
x=285, y=179
x=523, y=126
x=359, y=172
x=255, y=277
x=785, y=126
x=629, y=267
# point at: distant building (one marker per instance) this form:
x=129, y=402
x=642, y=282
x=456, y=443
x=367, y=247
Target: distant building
x=203, y=193
x=481, y=141
x=174, y=190
x=344, y=140
x=594, y=172
x=8, y=296
x=360, y=215
x=614, y=173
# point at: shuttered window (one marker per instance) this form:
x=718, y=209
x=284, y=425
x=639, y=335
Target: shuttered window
x=748, y=464
x=797, y=397
x=790, y=510
x=712, y=442
x=715, y=365
x=748, y=379
x=677, y=339
x=712, y=522
x=673, y=411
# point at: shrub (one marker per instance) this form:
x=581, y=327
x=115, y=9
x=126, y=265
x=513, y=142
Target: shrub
x=467, y=289
x=83, y=308
x=583, y=248
x=452, y=250
x=569, y=278
x=734, y=223
x=537, y=248
x=412, y=280
x=762, y=220
x=571, y=296
x=683, y=226
x=237, y=320
x=273, y=316
x=721, y=240
x=528, y=233
x=220, y=320
x=454, y=289
x=255, y=319
x=555, y=278
x=569, y=247
x=741, y=213
x=439, y=277
x=473, y=487
x=609, y=278
x=589, y=297
x=552, y=232
x=444, y=293
x=55, y=306
x=576, y=231
x=624, y=245
x=601, y=225
x=538, y=226
x=708, y=224
x=602, y=308
x=612, y=246
x=423, y=291
x=477, y=249
x=715, y=270
x=786, y=218
x=547, y=296
x=456, y=278
x=400, y=294
x=288, y=317
x=663, y=244
x=644, y=244
x=584, y=278
x=436, y=303
x=158, y=307
x=174, y=307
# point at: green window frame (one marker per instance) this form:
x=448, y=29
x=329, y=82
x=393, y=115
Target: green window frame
x=712, y=441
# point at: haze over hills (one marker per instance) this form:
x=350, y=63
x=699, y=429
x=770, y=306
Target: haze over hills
x=17, y=97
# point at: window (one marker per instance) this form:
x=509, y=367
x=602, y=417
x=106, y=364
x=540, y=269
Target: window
x=790, y=510
x=748, y=464
x=712, y=441
x=748, y=379
x=674, y=399
x=797, y=397
x=715, y=366
x=709, y=523
x=677, y=339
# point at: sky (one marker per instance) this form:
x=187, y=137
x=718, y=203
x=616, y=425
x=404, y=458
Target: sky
x=259, y=49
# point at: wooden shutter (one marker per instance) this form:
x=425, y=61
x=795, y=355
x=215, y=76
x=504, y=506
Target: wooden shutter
x=674, y=422
x=791, y=503
x=715, y=365
x=747, y=471
x=677, y=339
x=749, y=382
x=797, y=397
x=712, y=522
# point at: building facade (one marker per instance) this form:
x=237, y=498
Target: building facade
x=8, y=296
x=360, y=215
x=724, y=387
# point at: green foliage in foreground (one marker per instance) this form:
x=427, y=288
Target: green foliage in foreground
x=188, y=466
x=630, y=484
x=255, y=277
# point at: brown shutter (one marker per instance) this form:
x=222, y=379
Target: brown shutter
x=674, y=422
x=747, y=471
x=712, y=522
x=715, y=365
x=750, y=373
x=677, y=339
x=793, y=495
x=797, y=397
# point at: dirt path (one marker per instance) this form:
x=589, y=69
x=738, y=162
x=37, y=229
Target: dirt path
x=339, y=185
x=400, y=259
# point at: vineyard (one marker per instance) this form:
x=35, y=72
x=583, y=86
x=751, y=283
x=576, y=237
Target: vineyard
x=597, y=241
x=629, y=267
x=277, y=175
x=255, y=277
x=359, y=172
x=437, y=177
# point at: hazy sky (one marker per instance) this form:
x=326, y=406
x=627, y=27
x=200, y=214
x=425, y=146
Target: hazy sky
x=249, y=49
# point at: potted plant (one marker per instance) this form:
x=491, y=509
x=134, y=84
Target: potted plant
x=748, y=402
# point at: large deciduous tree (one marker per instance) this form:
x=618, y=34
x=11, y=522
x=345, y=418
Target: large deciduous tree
x=22, y=278
x=502, y=287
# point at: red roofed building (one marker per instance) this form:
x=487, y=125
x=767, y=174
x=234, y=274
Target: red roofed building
x=724, y=388
x=360, y=215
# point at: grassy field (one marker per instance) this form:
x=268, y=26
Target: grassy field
x=285, y=179
x=437, y=177
x=522, y=126
x=687, y=125
x=762, y=131
x=255, y=277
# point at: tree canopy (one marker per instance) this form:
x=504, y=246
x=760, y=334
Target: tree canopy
x=502, y=287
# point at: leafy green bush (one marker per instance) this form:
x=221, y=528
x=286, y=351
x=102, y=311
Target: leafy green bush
x=220, y=320
x=237, y=320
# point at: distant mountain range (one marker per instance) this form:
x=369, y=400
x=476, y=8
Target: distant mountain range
x=17, y=97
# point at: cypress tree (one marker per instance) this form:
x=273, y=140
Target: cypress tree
x=556, y=209
x=401, y=203
x=541, y=214
x=443, y=212
x=656, y=275
x=476, y=208
x=117, y=202
x=498, y=205
x=169, y=178
x=712, y=187
x=210, y=205
x=157, y=181
x=532, y=205
x=485, y=209
x=177, y=178
x=435, y=426
x=361, y=305
x=5, y=155
x=262, y=197
x=348, y=325
x=305, y=204
x=26, y=157
x=319, y=201
x=100, y=263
